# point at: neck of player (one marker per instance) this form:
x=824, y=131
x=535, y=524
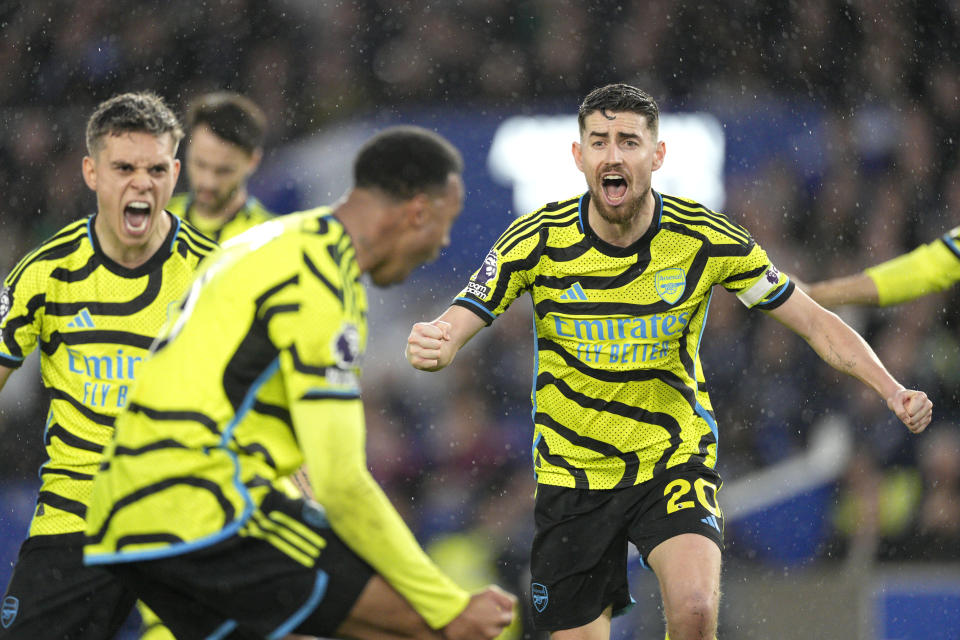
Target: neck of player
x=132, y=255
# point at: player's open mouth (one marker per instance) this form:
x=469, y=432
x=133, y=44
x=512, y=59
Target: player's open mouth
x=136, y=217
x=614, y=188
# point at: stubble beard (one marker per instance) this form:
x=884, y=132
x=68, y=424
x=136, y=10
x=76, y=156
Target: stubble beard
x=623, y=215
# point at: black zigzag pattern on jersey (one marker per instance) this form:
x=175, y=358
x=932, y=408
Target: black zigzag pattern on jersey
x=253, y=355
x=142, y=301
x=71, y=439
x=88, y=413
x=176, y=416
x=64, y=504
x=274, y=411
x=95, y=336
x=547, y=306
x=303, y=367
x=52, y=249
x=746, y=275
x=269, y=293
x=158, y=445
x=82, y=273
x=255, y=448
x=663, y=420
x=192, y=241
x=631, y=461
x=312, y=268
x=507, y=272
x=543, y=224
x=579, y=475
x=14, y=324
x=56, y=471
x=697, y=214
x=551, y=211
x=631, y=375
x=200, y=483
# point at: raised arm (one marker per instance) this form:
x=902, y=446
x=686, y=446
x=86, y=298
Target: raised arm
x=432, y=345
x=856, y=289
x=842, y=348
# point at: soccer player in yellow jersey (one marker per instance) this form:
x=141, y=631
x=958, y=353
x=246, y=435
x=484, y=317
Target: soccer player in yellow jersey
x=625, y=440
x=257, y=375
x=928, y=268
x=225, y=133
x=93, y=298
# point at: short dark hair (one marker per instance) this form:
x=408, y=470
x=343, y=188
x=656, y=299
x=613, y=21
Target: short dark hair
x=141, y=112
x=231, y=116
x=405, y=161
x=621, y=97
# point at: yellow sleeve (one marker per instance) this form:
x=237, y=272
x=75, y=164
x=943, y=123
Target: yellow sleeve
x=331, y=432
x=928, y=268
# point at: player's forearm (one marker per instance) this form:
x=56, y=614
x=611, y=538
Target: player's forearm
x=842, y=348
x=363, y=517
x=855, y=289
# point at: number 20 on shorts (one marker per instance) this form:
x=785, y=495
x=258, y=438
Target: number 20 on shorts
x=681, y=487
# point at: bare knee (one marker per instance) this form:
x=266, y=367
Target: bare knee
x=692, y=615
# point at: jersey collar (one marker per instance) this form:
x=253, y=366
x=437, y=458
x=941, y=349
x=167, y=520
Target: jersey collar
x=158, y=258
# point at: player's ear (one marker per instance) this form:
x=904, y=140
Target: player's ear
x=89, y=170
x=255, y=159
x=577, y=155
x=417, y=209
x=176, y=171
x=659, y=155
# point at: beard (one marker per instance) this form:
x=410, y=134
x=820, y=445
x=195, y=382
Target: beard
x=623, y=214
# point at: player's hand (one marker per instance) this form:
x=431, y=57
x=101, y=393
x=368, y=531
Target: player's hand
x=487, y=614
x=425, y=345
x=913, y=408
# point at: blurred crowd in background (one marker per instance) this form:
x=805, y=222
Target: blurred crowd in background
x=453, y=450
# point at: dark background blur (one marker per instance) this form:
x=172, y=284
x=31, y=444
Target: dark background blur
x=842, y=121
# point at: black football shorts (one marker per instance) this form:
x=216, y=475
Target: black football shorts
x=251, y=587
x=579, y=554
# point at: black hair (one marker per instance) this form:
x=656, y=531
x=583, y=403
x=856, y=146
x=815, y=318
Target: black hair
x=620, y=97
x=405, y=161
x=231, y=116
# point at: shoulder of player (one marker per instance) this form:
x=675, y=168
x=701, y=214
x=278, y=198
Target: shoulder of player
x=52, y=252
x=552, y=216
x=681, y=214
x=190, y=241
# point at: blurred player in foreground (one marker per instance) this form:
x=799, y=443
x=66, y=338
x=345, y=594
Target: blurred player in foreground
x=257, y=374
x=928, y=268
x=225, y=133
x=625, y=439
x=93, y=297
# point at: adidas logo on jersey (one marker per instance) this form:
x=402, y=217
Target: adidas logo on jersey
x=574, y=293
x=81, y=321
x=712, y=521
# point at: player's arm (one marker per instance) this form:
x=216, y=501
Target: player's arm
x=431, y=346
x=856, y=289
x=842, y=348
x=331, y=433
x=928, y=268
